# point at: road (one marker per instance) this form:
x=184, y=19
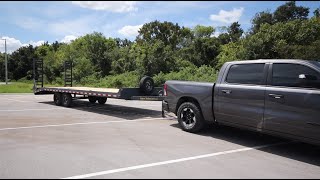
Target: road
x=130, y=139
x=4, y=83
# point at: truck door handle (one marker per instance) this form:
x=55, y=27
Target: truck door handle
x=226, y=91
x=276, y=96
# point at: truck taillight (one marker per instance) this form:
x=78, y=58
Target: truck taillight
x=165, y=89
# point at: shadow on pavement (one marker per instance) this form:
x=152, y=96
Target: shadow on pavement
x=125, y=112
x=298, y=151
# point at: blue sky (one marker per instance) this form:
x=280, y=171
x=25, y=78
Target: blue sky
x=35, y=22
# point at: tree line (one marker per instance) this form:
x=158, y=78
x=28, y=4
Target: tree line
x=165, y=50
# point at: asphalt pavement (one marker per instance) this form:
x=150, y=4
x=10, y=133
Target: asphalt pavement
x=130, y=139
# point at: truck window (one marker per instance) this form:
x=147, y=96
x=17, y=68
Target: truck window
x=246, y=74
x=288, y=75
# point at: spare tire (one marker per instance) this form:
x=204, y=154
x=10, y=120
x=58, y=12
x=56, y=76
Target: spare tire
x=146, y=85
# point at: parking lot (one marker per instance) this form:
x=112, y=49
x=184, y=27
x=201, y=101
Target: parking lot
x=130, y=139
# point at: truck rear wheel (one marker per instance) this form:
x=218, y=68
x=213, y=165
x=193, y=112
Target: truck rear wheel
x=102, y=100
x=190, y=118
x=66, y=99
x=57, y=98
x=92, y=99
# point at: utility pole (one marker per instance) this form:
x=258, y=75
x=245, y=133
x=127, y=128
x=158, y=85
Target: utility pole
x=6, y=59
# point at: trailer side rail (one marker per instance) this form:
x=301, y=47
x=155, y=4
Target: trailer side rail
x=45, y=90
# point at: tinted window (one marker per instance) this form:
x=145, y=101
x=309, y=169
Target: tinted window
x=288, y=75
x=246, y=74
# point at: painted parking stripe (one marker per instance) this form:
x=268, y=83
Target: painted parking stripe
x=171, y=161
x=15, y=100
x=85, y=123
x=17, y=110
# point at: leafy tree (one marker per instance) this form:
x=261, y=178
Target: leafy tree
x=202, y=51
x=289, y=11
x=232, y=51
x=203, y=31
x=235, y=32
x=2, y=67
x=232, y=34
x=261, y=18
x=20, y=62
x=154, y=58
x=167, y=32
x=277, y=41
x=122, y=42
x=122, y=60
x=317, y=13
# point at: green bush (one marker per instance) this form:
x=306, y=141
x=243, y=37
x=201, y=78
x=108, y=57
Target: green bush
x=127, y=79
x=202, y=74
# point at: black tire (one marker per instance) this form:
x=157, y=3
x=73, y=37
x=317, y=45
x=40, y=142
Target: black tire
x=92, y=99
x=146, y=85
x=57, y=98
x=190, y=118
x=102, y=100
x=66, y=99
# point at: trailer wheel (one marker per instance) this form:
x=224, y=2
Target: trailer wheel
x=190, y=118
x=92, y=99
x=146, y=85
x=102, y=100
x=57, y=98
x=66, y=99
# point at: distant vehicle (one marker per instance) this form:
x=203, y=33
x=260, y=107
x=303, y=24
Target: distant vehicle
x=278, y=97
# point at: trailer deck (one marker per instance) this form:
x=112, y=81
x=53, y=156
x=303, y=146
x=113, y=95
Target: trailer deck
x=122, y=93
x=105, y=92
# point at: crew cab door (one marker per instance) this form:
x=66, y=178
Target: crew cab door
x=239, y=96
x=292, y=101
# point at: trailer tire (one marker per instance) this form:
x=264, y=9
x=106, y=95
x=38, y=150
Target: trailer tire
x=190, y=118
x=146, y=85
x=57, y=98
x=92, y=99
x=66, y=99
x=102, y=100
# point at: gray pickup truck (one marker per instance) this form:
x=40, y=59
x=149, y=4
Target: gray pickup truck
x=279, y=97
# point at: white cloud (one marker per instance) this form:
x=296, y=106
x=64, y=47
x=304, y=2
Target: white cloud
x=14, y=44
x=68, y=39
x=38, y=43
x=113, y=6
x=130, y=31
x=228, y=16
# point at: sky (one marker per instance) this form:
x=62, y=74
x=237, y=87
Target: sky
x=34, y=22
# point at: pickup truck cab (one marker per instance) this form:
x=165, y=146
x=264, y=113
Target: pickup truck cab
x=279, y=97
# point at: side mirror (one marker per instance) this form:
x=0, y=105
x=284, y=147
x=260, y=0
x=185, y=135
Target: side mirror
x=307, y=77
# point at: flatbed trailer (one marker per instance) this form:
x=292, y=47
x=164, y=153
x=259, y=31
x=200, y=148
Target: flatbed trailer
x=65, y=95
x=122, y=93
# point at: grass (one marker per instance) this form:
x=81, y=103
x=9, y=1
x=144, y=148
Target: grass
x=21, y=87
x=16, y=87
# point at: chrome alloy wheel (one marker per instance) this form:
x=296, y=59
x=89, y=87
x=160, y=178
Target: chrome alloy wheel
x=188, y=118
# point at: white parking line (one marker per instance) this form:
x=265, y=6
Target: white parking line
x=16, y=110
x=171, y=161
x=16, y=100
x=85, y=123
